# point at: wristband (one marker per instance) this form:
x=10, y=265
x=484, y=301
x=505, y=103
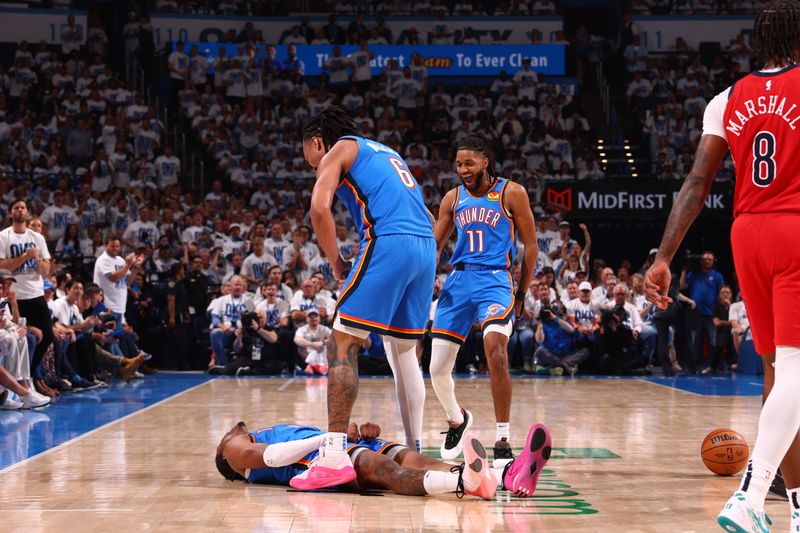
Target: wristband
x=519, y=295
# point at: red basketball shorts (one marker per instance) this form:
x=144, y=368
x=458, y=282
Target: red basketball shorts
x=766, y=252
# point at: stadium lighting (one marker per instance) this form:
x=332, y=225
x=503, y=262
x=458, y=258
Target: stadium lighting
x=602, y=154
x=630, y=160
x=635, y=175
x=604, y=160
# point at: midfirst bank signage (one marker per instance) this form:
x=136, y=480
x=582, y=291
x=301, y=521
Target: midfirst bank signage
x=631, y=200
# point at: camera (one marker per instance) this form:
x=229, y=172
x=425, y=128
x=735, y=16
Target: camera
x=690, y=261
x=247, y=319
x=614, y=316
x=546, y=313
x=619, y=313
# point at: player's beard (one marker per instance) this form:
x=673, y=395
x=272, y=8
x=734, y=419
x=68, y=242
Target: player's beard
x=478, y=182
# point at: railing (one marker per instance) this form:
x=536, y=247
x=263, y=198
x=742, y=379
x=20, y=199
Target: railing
x=173, y=136
x=605, y=92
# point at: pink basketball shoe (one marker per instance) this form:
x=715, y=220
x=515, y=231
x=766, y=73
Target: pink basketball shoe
x=523, y=473
x=327, y=470
x=479, y=480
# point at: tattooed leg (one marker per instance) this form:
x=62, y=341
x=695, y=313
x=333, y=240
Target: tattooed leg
x=378, y=471
x=342, y=379
x=416, y=461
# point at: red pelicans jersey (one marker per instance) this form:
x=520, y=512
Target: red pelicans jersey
x=762, y=127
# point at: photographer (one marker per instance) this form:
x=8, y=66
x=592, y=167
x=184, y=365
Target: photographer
x=619, y=335
x=557, y=341
x=703, y=284
x=274, y=314
x=254, y=352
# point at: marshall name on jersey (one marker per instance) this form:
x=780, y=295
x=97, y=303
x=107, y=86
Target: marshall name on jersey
x=763, y=105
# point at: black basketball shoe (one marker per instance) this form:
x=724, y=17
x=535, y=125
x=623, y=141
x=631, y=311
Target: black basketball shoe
x=454, y=438
x=502, y=453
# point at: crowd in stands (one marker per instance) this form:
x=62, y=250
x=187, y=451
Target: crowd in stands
x=695, y=7
x=669, y=93
x=144, y=275
x=349, y=7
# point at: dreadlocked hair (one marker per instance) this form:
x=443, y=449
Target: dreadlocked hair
x=479, y=143
x=777, y=34
x=331, y=124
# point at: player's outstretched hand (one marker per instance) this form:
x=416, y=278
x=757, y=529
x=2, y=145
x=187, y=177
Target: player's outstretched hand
x=656, y=284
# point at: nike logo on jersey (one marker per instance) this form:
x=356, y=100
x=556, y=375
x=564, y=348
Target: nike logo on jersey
x=495, y=271
x=462, y=201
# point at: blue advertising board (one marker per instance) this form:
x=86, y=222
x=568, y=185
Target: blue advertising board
x=441, y=60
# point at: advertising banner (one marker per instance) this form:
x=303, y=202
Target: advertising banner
x=441, y=60
x=631, y=200
x=659, y=33
x=514, y=30
x=22, y=24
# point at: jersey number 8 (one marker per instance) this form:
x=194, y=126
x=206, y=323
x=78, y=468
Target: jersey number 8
x=764, y=166
x=402, y=170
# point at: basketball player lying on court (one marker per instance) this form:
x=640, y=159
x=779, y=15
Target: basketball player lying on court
x=280, y=455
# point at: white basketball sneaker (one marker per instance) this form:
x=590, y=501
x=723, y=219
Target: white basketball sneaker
x=738, y=516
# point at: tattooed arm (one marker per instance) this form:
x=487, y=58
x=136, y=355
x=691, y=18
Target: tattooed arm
x=687, y=206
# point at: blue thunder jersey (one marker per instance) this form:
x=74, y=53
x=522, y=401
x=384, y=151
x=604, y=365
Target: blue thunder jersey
x=382, y=195
x=289, y=432
x=274, y=435
x=485, y=231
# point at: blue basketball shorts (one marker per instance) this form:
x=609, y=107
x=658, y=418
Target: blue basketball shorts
x=390, y=287
x=469, y=296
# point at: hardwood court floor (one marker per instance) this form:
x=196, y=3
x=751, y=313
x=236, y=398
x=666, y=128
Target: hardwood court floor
x=626, y=459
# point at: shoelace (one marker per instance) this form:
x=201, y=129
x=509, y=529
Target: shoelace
x=453, y=435
x=460, y=486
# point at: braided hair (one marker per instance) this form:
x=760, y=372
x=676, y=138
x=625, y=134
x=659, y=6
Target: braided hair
x=777, y=34
x=479, y=143
x=331, y=124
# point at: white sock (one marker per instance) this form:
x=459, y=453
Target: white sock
x=756, y=481
x=409, y=385
x=335, y=444
x=777, y=426
x=335, y=441
x=503, y=430
x=794, y=499
x=436, y=482
x=443, y=358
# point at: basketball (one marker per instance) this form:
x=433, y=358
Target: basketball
x=724, y=452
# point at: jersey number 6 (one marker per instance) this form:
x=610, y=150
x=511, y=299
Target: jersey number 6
x=402, y=170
